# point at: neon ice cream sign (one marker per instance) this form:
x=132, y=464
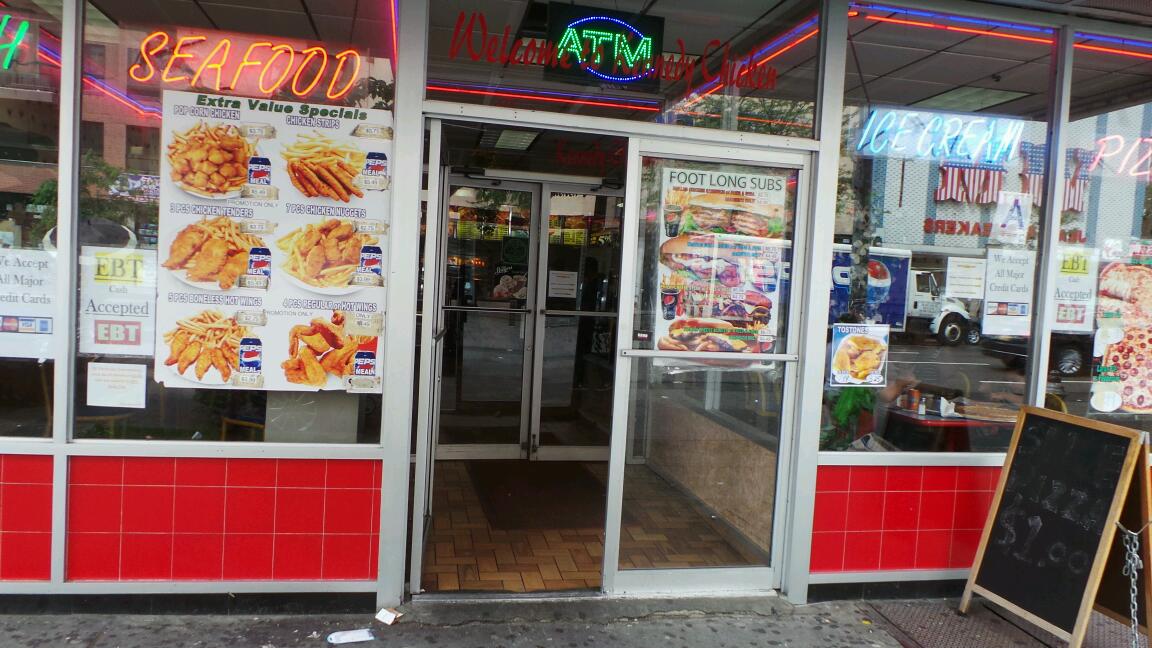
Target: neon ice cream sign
x=895, y=133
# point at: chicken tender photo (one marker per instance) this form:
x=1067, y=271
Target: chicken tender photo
x=210, y=161
x=319, y=166
x=213, y=250
x=205, y=342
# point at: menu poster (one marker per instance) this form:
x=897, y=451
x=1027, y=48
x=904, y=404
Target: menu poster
x=859, y=355
x=1008, y=292
x=1123, y=376
x=117, y=301
x=721, y=254
x=965, y=278
x=27, y=286
x=274, y=221
x=1075, y=289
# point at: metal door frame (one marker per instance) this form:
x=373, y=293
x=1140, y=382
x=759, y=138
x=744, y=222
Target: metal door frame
x=743, y=579
x=491, y=450
x=559, y=453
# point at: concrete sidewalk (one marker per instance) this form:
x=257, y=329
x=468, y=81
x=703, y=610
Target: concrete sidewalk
x=681, y=623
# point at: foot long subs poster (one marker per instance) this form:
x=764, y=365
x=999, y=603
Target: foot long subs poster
x=273, y=226
x=722, y=256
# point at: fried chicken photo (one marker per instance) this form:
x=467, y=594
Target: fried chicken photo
x=320, y=348
x=324, y=255
x=212, y=250
x=205, y=342
x=210, y=161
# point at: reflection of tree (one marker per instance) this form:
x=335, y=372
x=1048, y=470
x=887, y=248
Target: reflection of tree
x=854, y=199
x=763, y=115
x=96, y=177
x=372, y=93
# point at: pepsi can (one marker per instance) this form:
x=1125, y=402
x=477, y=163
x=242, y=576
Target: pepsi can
x=260, y=262
x=376, y=164
x=371, y=260
x=364, y=364
x=259, y=171
x=251, y=355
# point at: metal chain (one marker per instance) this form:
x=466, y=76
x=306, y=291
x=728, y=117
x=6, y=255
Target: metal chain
x=1132, y=567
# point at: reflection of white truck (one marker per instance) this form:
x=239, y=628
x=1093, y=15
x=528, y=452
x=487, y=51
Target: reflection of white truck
x=947, y=317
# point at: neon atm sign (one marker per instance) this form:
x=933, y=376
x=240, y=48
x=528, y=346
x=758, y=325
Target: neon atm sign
x=588, y=39
x=245, y=64
x=944, y=137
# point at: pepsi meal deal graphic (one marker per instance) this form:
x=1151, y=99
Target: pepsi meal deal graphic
x=887, y=297
x=721, y=261
x=274, y=221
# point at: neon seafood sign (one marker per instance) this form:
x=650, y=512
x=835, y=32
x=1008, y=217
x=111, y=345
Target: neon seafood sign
x=225, y=63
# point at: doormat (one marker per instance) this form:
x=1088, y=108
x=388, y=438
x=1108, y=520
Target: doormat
x=521, y=494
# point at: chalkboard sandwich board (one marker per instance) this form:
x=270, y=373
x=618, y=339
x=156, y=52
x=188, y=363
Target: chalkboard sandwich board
x=1053, y=519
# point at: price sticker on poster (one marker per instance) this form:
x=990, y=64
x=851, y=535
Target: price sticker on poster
x=273, y=226
x=859, y=355
x=721, y=259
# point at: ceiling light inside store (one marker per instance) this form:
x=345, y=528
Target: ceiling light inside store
x=969, y=99
x=513, y=140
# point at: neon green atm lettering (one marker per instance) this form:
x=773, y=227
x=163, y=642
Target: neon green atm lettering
x=570, y=42
x=14, y=46
x=643, y=51
x=595, y=37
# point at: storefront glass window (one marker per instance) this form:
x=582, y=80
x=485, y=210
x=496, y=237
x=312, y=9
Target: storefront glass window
x=1100, y=340
x=234, y=221
x=30, y=121
x=938, y=213
x=735, y=65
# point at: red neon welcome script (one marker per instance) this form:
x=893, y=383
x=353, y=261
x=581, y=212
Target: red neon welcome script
x=473, y=37
x=245, y=64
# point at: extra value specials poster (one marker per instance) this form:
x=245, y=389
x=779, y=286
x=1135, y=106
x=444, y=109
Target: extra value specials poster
x=721, y=258
x=273, y=227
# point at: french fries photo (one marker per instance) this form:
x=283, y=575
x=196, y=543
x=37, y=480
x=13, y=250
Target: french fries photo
x=212, y=250
x=205, y=342
x=324, y=255
x=210, y=161
x=320, y=166
x=320, y=348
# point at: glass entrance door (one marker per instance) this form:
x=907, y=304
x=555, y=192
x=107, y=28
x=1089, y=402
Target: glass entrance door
x=707, y=369
x=488, y=310
x=529, y=318
x=576, y=328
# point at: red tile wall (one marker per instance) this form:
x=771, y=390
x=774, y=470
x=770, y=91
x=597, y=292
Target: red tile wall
x=148, y=518
x=25, y=517
x=873, y=518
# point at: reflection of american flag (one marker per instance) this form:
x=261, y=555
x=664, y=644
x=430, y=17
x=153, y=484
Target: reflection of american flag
x=1076, y=163
x=1032, y=176
x=971, y=183
x=1076, y=182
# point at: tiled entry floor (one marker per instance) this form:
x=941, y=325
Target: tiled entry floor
x=663, y=528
